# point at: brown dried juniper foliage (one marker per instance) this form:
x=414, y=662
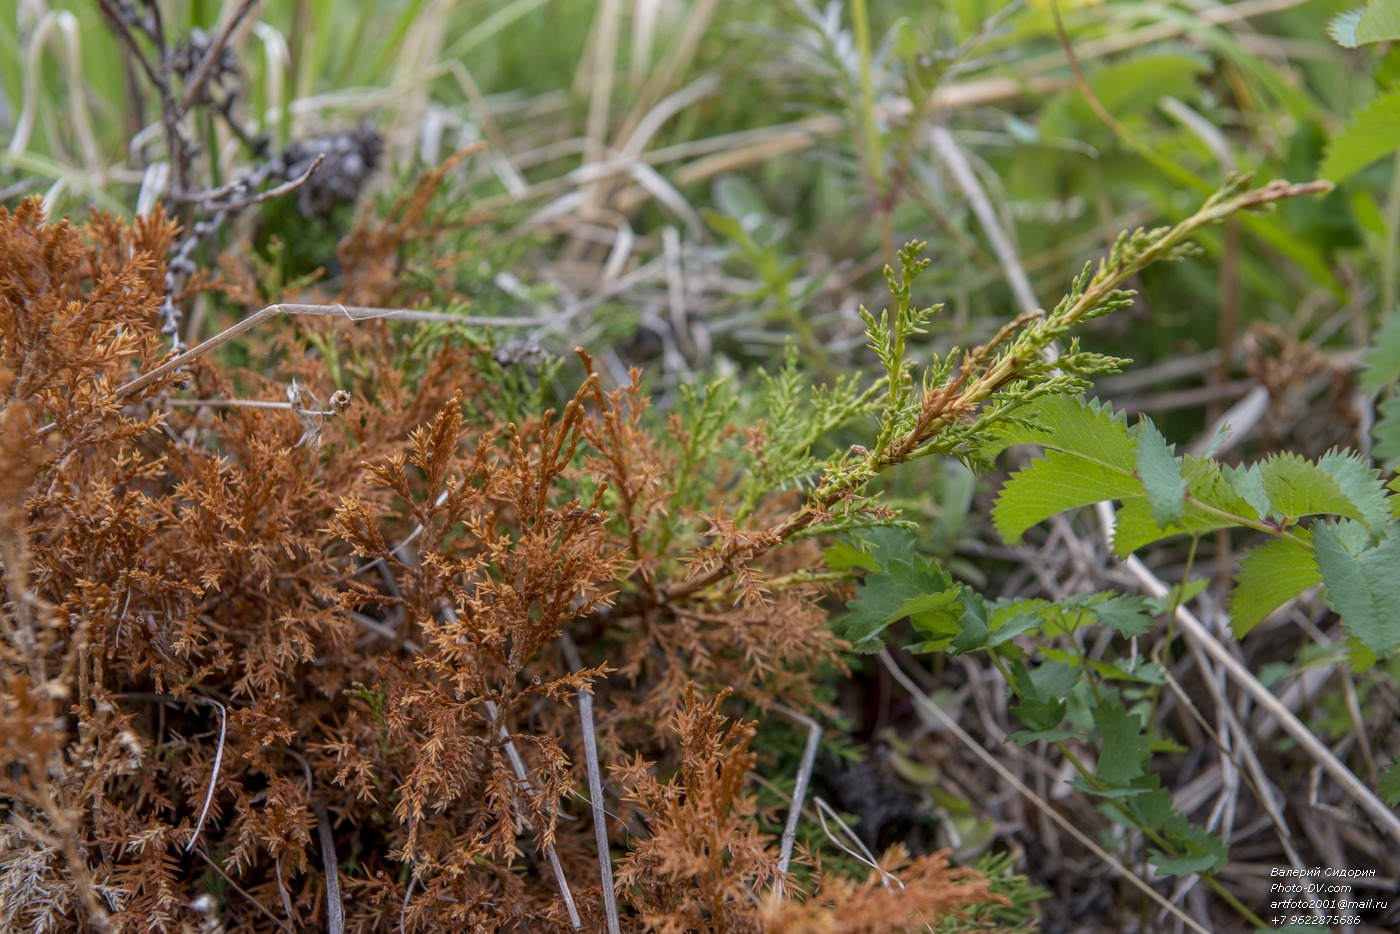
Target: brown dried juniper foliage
x=242, y=661
x=703, y=860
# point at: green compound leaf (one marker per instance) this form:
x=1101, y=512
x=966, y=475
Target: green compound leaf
x=1373, y=133
x=1126, y=748
x=1270, y=576
x=1161, y=475
x=1363, y=585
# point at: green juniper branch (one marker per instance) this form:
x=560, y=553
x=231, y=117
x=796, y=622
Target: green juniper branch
x=951, y=412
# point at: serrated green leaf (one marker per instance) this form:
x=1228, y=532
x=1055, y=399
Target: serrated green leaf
x=1389, y=785
x=1248, y=484
x=1154, y=807
x=1270, y=576
x=872, y=646
x=1126, y=748
x=1039, y=693
x=1387, y=437
x=1296, y=488
x=1372, y=133
x=1040, y=715
x=1380, y=22
x=1361, y=484
x=1054, y=680
x=1026, y=737
x=1383, y=359
x=1069, y=423
x=1186, y=865
x=889, y=543
x=1136, y=526
x=1010, y=620
x=1113, y=794
x=1343, y=28
x=1362, y=586
x=1054, y=484
x=881, y=598
x=1161, y=476
x=1118, y=670
x=1127, y=616
x=975, y=622
x=844, y=557
x=934, y=616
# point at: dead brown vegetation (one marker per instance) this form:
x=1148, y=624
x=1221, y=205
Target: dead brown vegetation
x=316, y=664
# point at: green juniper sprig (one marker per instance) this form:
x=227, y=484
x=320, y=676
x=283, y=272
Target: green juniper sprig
x=958, y=400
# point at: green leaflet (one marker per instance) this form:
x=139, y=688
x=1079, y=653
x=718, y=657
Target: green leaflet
x=1389, y=786
x=1383, y=359
x=1126, y=748
x=1054, y=484
x=1378, y=21
x=1069, y=423
x=1363, y=585
x=1090, y=457
x=1373, y=133
x=1361, y=485
x=1248, y=484
x=1161, y=475
x=1269, y=576
x=881, y=599
x=1296, y=488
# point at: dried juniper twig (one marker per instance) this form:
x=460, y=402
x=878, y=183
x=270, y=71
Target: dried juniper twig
x=208, y=76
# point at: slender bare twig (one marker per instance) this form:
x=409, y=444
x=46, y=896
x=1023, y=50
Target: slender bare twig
x=595, y=787
x=242, y=185
x=218, y=752
x=857, y=850
x=799, y=792
x=355, y=312
x=214, y=772
x=335, y=906
x=195, y=86
x=244, y=404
